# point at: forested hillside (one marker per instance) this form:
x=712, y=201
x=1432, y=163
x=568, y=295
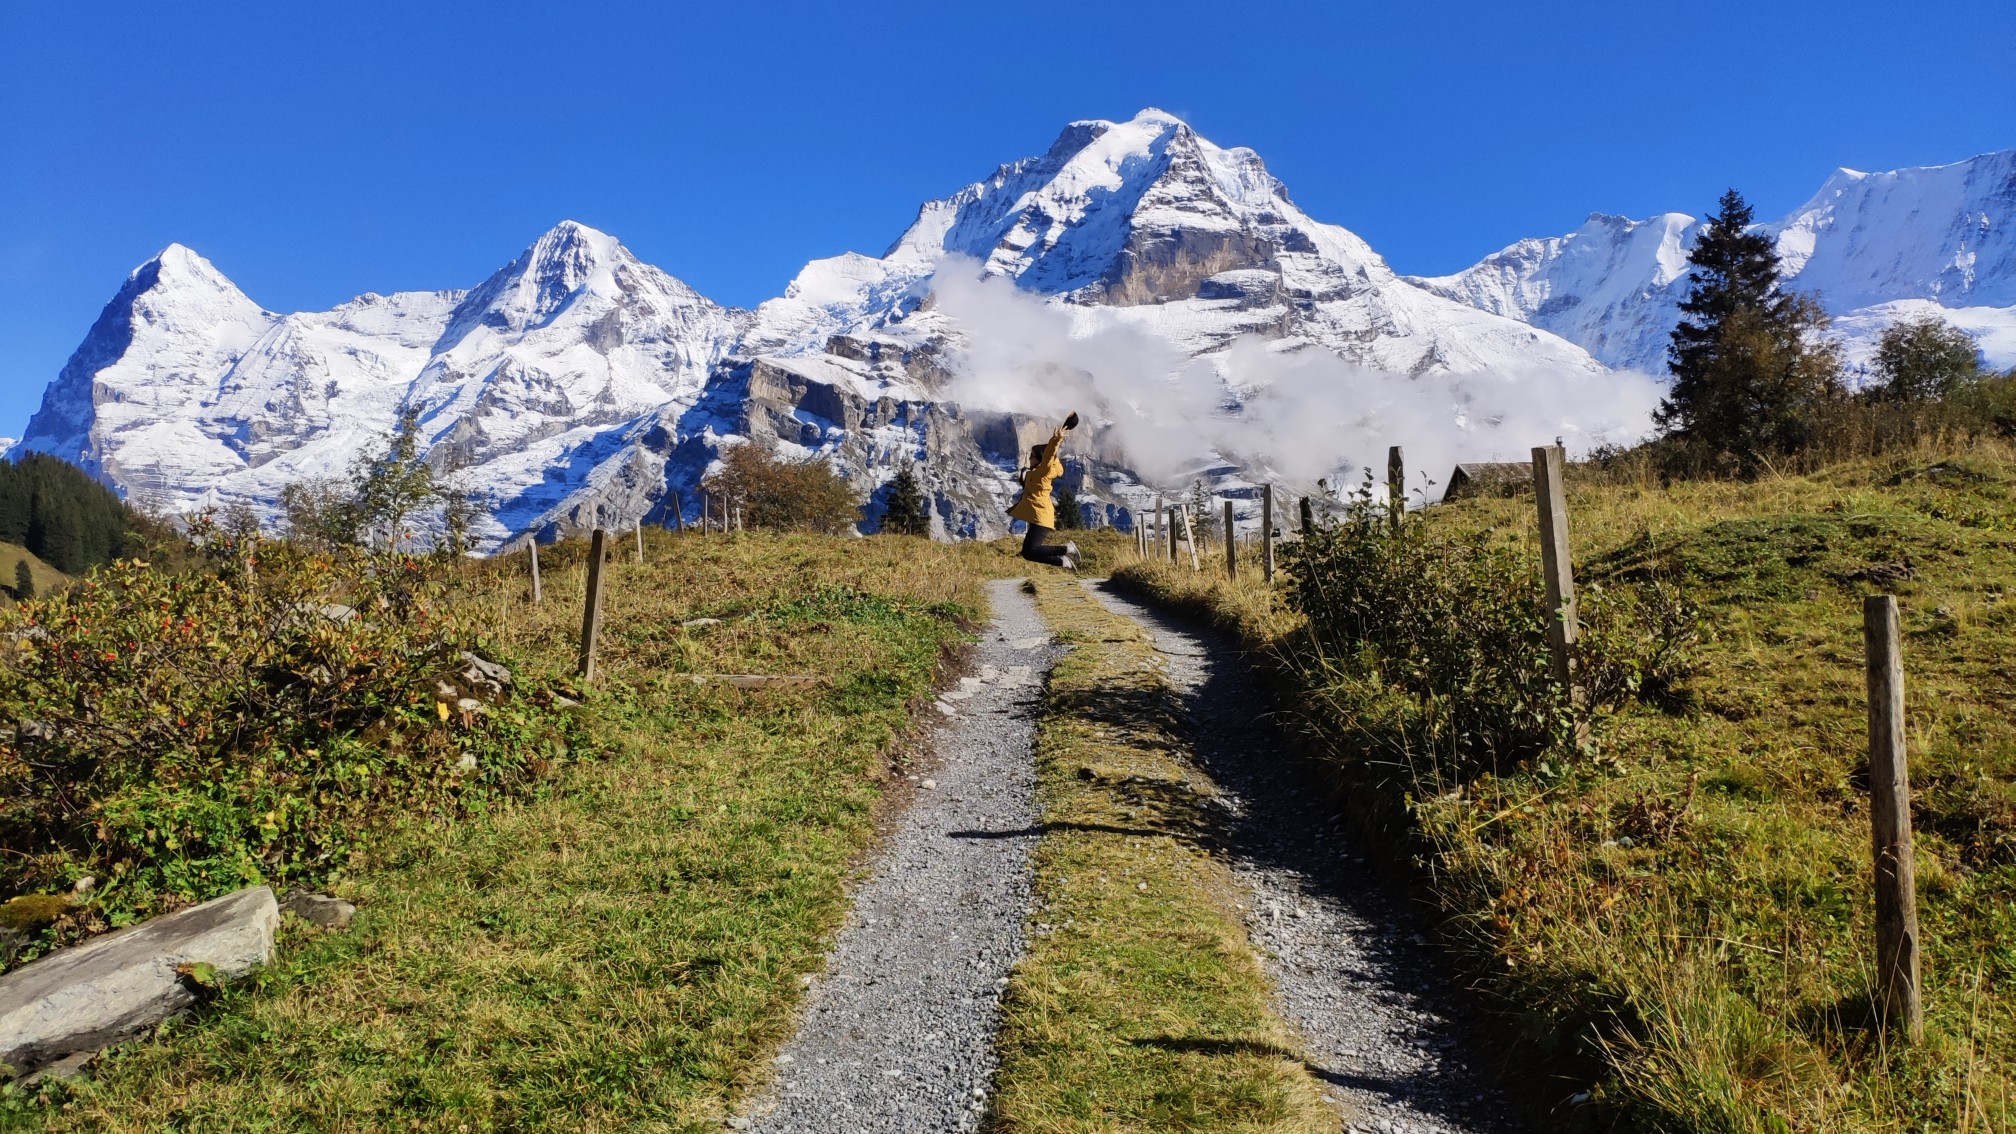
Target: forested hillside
x=54, y=509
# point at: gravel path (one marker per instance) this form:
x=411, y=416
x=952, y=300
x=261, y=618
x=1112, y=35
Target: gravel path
x=899, y=1034
x=1380, y=1021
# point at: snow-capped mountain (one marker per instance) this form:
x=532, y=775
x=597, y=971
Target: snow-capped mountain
x=1873, y=246
x=1154, y=226
x=1176, y=282
x=186, y=394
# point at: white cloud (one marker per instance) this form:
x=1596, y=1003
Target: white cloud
x=1295, y=414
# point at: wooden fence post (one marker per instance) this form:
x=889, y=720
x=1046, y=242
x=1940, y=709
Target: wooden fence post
x=1231, y=545
x=1169, y=532
x=705, y=503
x=1308, y=516
x=1890, y=821
x=1396, y=487
x=678, y=513
x=591, y=612
x=532, y=549
x=1190, y=537
x=640, y=539
x=1267, y=532
x=1563, y=628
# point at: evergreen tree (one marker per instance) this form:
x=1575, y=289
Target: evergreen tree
x=904, y=510
x=1750, y=369
x=1070, y=516
x=24, y=580
x=1203, y=516
x=58, y=512
x=1925, y=359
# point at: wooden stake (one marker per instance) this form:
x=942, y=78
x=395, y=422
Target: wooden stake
x=678, y=514
x=591, y=612
x=1897, y=993
x=1267, y=532
x=1190, y=537
x=1557, y=568
x=1396, y=487
x=706, y=502
x=1231, y=545
x=1308, y=516
x=640, y=541
x=532, y=549
x=1169, y=532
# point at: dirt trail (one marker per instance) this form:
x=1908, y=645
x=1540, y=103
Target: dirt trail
x=1382, y=1026
x=898, y=1035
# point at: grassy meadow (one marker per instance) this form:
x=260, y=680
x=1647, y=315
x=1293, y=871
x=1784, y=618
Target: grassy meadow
x=618, y=948
x=1679, y=915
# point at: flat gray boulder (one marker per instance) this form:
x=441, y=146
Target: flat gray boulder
x=111, y=988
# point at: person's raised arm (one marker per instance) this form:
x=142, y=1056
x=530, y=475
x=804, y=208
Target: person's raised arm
x=1057, y=438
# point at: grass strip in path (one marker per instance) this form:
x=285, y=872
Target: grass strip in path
x=620, y=952
x=1139, y=1004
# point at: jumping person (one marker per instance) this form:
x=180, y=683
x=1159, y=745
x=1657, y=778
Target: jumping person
x=1035, y=507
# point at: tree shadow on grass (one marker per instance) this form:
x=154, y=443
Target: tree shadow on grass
x=1395, y=1090
x=1286, y=821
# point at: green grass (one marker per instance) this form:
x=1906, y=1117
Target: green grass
x=619, y=951
x=1686, y=915
x=1139, y=1005
x=46, y=578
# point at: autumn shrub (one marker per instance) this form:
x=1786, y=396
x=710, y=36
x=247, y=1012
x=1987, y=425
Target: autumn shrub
x=776, y=494
x=1435, y=644
x=175, y=736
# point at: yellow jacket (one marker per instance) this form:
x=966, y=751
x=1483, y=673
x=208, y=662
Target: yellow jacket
x=1035, y=506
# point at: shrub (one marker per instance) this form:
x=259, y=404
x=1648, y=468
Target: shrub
x=1925, y=359
x=177, y=736
x=1435, y=646
x=780, y=495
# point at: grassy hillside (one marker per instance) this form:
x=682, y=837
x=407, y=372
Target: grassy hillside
x=46, y=578
x=1683, y=908
x=617, y=948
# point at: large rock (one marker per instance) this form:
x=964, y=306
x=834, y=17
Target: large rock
x=113, y=987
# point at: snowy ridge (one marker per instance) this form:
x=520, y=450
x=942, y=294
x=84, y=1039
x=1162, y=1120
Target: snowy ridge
x=1133, y=268
x=187, y=395
x=1872, y=246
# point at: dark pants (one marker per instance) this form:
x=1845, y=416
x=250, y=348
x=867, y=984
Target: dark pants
x=1037, y=550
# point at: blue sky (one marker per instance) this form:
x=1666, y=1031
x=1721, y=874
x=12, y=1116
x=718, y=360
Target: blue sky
x=316, y=150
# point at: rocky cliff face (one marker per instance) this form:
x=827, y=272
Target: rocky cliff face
x=579, y=386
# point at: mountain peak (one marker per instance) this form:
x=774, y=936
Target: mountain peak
x=183, y=269
x=567, y=259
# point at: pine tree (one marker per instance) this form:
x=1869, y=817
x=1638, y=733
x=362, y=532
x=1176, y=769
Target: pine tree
x=1751, y=372
x=1070, y=517
x=24, y=580
x=904, y=510
x=55, y=510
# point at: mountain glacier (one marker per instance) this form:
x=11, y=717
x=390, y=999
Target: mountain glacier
x=1215, y=333
x=1872, y=246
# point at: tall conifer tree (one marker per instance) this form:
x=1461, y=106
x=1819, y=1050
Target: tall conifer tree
x=1750, y=370
x=904, y=510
